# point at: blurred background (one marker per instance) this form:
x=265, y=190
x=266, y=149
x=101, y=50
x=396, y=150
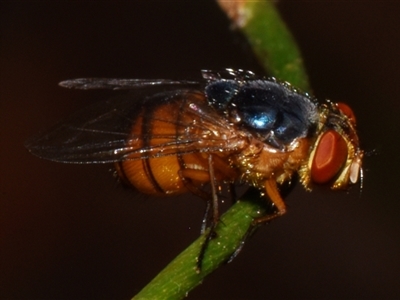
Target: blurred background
x=72, y=232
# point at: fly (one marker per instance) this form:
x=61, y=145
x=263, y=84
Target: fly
x=169, y=137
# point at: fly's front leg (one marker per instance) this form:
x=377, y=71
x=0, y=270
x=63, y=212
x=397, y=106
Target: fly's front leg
x=273, y=193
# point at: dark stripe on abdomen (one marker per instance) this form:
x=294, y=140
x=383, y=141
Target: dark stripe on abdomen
x=147, y=135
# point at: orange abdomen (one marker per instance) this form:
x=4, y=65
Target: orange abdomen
x=157, y=176
x=167, y=165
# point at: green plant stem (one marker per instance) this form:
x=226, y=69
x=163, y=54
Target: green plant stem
x=269, y=38
x=181, y=275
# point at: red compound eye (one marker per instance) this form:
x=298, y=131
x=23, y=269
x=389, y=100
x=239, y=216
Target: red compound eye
x=345, y=109
x=330, y=156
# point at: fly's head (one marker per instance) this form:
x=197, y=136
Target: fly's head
x=335, y=157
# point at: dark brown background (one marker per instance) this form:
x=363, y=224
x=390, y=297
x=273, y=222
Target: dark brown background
x=70, y=232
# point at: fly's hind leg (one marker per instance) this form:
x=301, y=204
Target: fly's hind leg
x=215, y=213
x=212, y=203
x=187, y=177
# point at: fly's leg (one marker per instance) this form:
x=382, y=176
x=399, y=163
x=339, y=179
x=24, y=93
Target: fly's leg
x=206, y=216
x=273, y=193
x=280, y=209
x=239, y=248
x=187, y=175
x=211, y=215
x=215, y=214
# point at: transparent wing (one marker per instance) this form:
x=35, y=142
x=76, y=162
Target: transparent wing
x=110, y=131
x=118, y=83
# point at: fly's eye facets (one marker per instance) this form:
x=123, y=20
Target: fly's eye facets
x=330, y=156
